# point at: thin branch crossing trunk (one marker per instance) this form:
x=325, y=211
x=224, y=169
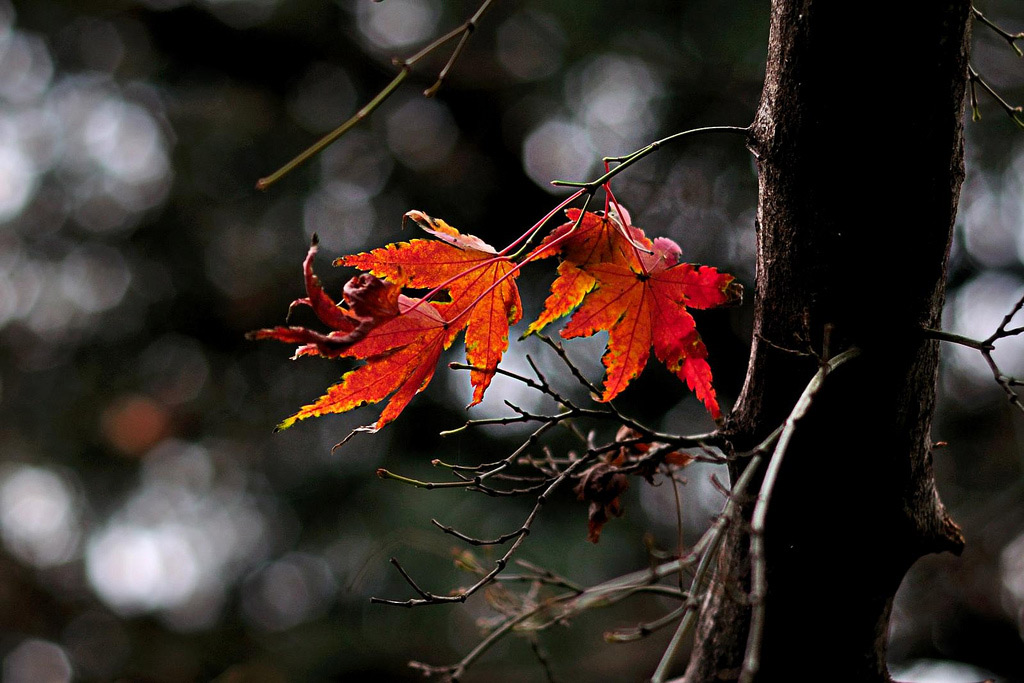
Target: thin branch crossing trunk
x=859, y=142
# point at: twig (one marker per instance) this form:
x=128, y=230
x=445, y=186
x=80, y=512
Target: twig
x=1001, y=331
x=759, y=580
x=1010, y=38
x=712, y=539
x=500, y=540
x=454, y=672
x=560, y=350
x=987, y=346
x=629, y=159
x=429, y=485
x=573, y=411
x=576, y=600
x=1016, y=114
x=607, y=409
x=542, y=658
x=499, y=564
x=641, y=631
x=405, y=67
x=549, y=576
x=941, y=335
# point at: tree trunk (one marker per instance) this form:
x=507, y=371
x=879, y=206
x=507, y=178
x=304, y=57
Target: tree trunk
x=859, y=144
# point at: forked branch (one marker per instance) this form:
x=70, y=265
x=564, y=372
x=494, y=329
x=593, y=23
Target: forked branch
x=404, y=69
x=1009, y=37
x=987, y=346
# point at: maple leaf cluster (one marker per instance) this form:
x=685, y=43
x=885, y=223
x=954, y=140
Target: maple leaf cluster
x=611, y=275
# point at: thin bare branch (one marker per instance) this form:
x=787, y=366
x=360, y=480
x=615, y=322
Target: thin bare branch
x=405, y=67
x=941, y=335
x=986, y=348
x=454, y=672
x=500, y=563
x=1016, y=114
x=709, y=545
x=641, y=631
x=1001, y=331
x=500, y=540
x=1010, y=38
x=628, y=160
x=542, y=658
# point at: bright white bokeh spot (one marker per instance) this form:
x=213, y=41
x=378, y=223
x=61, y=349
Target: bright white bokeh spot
x=990, y=218
x=136, y=569
x=37, y=661
x=939, y=671
x=125, y=140
x=977, y=309
x=178, y=542
x=38, y=519
x=558, y=150
x=1011, y=576
x=17, y=182
x=112, y=161
x=94, y=277
x=397, y=23
x=25, y=68
x=616, y=98
x=614, y=91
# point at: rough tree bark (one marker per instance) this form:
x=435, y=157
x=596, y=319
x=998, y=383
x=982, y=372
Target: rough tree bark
x=859, y=144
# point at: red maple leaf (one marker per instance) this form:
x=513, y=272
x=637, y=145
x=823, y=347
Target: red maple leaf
x=400, y=339
x=595, y=238
x=641, y=299
x=483, y=297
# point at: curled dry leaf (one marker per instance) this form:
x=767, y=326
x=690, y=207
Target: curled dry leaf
x=401, y=340
x=603, y=483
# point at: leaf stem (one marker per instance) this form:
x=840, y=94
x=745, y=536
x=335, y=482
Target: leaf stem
x=630, y=159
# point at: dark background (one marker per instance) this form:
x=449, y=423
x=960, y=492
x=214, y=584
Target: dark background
x=154, y=528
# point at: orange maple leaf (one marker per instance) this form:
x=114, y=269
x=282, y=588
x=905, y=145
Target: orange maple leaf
x=401, y=356
x=642, y=302
x=400, y=339
x=480, y=284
